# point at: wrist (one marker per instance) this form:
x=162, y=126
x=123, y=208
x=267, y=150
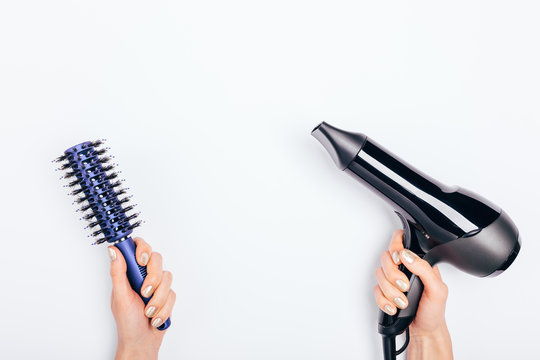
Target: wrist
x=434, y=344
x=139, y=352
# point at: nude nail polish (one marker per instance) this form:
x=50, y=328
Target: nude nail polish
x=146, y=292
x=144, y=259
x=400, y=302
x=395, y=257
x=408, y=256
x=112, y=254
x=156, y=322
x=402, y=285
x=150, y=311
x=389, y=310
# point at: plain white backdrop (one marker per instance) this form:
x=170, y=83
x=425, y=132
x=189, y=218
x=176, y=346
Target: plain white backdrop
x=208, y=108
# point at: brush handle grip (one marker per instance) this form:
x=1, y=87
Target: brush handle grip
x=136, y=273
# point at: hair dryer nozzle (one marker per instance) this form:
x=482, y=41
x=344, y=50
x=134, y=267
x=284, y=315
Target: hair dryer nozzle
x=341, y=145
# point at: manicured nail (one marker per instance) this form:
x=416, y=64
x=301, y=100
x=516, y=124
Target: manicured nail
x=150, y=311
x=408, y=256
x=400, y=303
x=395, y=257
x=402, y=285
x=146, y=291
x=144, y=258
x=112, y=254
x=156, y=322
x=390, y=310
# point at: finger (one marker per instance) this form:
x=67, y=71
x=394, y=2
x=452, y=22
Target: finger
x=157, y=302
x=153, y=277
x=165, y=311
x=392, y=272
x=437, y=272
x=383, y=302
x=433, y=285
x=390, y=291
x=143, y=251
x=396, y=245
x=118, y=272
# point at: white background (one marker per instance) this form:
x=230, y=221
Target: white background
x=208, y=107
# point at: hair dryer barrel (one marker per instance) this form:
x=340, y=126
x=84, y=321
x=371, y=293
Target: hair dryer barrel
x=436, y=213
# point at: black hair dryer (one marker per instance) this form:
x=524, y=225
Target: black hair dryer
x=441, y=223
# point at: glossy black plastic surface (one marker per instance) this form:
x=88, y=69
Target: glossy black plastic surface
x=441, y=223
x=438, y=213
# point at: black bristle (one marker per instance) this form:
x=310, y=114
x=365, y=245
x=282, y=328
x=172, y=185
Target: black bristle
x=135, y=224
x=99, y=241
x=77, y=191
x=100, y=151
x=124, y=200
x=65, y=166
x=131, y=217
x=108, y=167
x=116, y=183
x=61, y=158
x=97, y=143
x=88, y=216
x=112, y=176
x=81, y=199
x=127, y=208
x=93, y=224
x=120, y=192
x=74, y=182
x=86, y=207
x=69, y=174
x=97, y=232
x=104, y=159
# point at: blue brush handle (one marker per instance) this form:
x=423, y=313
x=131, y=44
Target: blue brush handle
x=136, y=273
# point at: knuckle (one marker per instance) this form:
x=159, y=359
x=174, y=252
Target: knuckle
x=424, y=266
x=443, y=290
x=167, y=275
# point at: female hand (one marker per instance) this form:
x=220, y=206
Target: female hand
x=136, y=322
x=429, y=336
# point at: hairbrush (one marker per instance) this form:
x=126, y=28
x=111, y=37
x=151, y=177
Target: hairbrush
x=95, y=184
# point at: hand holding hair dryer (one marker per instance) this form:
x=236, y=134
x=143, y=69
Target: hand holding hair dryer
x=441, y=223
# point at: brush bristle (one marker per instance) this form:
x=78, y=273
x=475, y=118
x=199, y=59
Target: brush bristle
x=99, y=200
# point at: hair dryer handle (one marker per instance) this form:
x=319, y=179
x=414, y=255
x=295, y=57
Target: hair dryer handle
x=398, y=323
x=136, y=273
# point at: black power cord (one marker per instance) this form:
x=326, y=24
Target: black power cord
x=389, y=346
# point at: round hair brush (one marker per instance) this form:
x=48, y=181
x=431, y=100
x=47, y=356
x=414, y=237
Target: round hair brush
x=95, y=184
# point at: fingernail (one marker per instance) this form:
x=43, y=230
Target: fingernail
x=150, y=311
x=390, y=310
x=400, y=303
x=144, y=259
x=112, y=254
x=402, y=285
x=395, y=257
x=146, y=291
x=408, y=256
x=156, y=322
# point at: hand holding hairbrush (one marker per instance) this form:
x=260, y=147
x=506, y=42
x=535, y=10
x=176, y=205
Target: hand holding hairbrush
x=98, y=191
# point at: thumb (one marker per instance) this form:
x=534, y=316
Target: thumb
x=118, y=272
x=431, y=278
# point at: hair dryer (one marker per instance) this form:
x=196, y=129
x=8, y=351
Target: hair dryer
x=441, y=223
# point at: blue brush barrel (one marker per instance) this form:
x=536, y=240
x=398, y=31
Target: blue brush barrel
x=102, y=207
